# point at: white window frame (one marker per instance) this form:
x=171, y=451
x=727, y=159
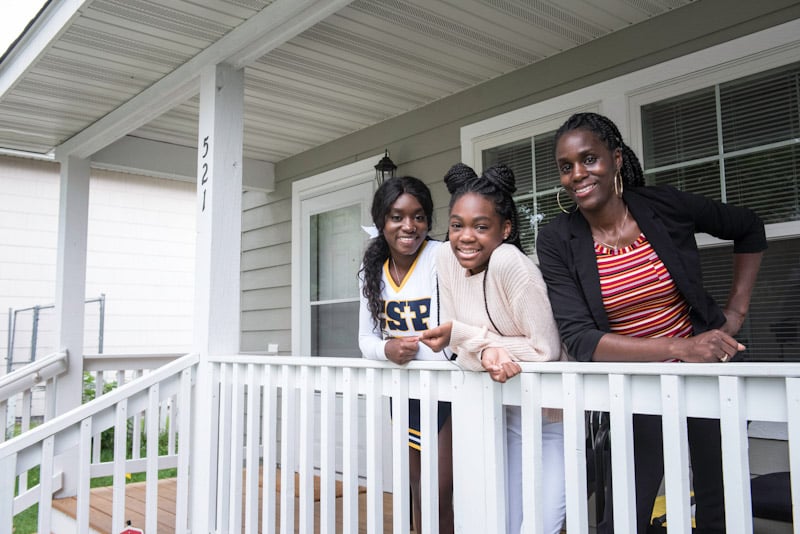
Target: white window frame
x=356, y=173
x=621, y=98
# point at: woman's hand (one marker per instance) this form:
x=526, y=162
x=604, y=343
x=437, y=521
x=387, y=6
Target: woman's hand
x=497, y=361
x=713, y=346
x=437, y=338
x=733, y=322
x=401, y=350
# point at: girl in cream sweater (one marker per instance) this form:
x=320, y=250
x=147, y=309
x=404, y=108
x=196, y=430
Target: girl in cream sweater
x=495, y=312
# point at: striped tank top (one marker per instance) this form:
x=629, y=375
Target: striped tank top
x=639, y=295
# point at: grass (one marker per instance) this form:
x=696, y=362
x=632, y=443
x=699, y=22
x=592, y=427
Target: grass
x=27, y=522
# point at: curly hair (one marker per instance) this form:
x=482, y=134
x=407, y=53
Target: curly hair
x=605, y=129
x=497, y=184
x=377, y=251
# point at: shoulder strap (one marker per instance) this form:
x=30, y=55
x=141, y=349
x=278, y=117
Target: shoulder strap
x=485, y=301
x=453, y=355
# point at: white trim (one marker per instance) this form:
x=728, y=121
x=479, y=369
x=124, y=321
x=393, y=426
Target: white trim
x=516, y=125
x=356, y=173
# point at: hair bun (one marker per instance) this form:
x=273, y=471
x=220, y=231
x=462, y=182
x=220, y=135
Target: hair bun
x=502, y=177
x=457, y=176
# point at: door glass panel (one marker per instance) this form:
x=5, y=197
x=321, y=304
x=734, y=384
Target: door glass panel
x=335, y=330
x=337, y=244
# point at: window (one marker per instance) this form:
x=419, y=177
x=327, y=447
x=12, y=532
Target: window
x=534, y=167
x=739, y=142
x=736, y=142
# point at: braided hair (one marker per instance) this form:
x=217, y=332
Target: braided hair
x=378, y=250
x=605, y=129
x=497, y=183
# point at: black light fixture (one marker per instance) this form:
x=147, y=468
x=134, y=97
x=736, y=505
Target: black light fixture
x=384, y=169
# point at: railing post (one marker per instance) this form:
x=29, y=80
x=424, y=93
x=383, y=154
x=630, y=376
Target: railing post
x=532, y=465
x=575, y=452
x=350, y=450
x=400, y=478
x=12, y=326
x=375, y=456
x=676, y=452
x=429, y=462
x=8, y=469
x=203, y=429
x=735, y=460
x=478, y=436
x=288, y=447
x=34, y=332
x=793, y=428
x=621, y=415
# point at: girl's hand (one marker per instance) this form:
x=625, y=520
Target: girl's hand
x=402, y=350
x=713, y=346
x=497, y=361
x=437, y=338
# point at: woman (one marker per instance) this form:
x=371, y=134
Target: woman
x=621, y=231
x=497, y=311
x=398, y=302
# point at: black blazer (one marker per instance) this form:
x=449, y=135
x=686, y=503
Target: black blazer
x=669, y=218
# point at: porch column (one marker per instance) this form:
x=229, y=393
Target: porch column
x=70, y=296
x=217, y=271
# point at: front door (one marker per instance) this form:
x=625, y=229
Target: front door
x=332, y=247
x=328, y=245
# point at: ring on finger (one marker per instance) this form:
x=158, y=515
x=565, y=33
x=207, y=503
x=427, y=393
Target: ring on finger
x=724, y=358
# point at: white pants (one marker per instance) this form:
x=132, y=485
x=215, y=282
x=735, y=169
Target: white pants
x=553, y=484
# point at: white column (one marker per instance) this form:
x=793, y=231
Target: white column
x=219, y=212
x=73, y=222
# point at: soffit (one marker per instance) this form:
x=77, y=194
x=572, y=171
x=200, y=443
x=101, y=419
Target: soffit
x=367, y=62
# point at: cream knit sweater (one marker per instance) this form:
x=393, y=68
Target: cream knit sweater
x=517, y=301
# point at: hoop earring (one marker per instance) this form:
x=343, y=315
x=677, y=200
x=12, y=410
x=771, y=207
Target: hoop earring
x=619, y=185
x=558, y=200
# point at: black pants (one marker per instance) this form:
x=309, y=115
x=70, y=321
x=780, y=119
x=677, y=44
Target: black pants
x=705, y=451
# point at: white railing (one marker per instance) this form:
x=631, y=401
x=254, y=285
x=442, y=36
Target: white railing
x=19, y=386
x=124, y=368
x=301, y=387
x=325, y=418
x=68, y=438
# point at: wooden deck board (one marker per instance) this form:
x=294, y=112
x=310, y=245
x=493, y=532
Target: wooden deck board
x=101, y=504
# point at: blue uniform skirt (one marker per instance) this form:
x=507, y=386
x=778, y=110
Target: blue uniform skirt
x=414, y=425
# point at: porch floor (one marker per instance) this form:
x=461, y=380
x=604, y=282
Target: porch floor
x=101, y=500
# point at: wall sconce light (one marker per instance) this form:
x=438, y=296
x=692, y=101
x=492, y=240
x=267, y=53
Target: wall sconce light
x=384, y=169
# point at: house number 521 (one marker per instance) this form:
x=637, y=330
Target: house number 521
x=205, y=177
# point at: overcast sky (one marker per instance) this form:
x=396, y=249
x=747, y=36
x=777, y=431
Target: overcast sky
x=14, y=16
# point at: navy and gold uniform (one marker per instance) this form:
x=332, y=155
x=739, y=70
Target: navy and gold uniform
x=408, y=310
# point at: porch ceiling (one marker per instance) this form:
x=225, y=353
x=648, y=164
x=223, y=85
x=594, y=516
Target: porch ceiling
x=314, y=70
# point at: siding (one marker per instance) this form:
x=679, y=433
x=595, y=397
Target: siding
x=140, y=255
x=266, y=269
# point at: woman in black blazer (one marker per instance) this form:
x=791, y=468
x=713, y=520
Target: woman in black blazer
x=623, y=275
